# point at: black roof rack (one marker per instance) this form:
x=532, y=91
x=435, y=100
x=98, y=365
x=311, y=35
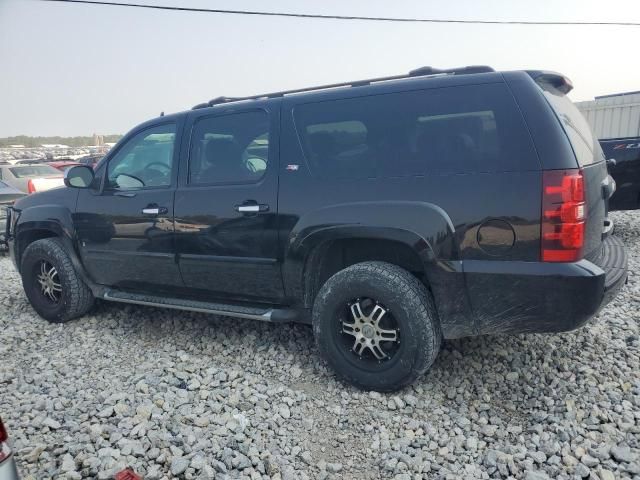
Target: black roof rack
x=418, y=72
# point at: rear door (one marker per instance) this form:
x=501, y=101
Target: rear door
x=226, y=204
x=588, y=152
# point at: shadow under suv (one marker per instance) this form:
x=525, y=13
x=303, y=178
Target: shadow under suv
x=389, y=213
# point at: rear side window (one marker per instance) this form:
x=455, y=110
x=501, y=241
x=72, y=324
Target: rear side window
x=464, y=129
x=231, y=148
x=584, y=142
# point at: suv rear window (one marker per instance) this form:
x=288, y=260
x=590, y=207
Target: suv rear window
x=463, y=129
x=584, y=142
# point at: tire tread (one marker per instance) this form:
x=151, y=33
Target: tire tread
x=414, y=293
x=79, y=298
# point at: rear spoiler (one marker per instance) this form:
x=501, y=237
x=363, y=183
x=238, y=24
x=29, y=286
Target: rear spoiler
x=553, y=79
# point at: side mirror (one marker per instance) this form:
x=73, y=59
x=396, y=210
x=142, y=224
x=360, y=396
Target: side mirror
x=80, y=176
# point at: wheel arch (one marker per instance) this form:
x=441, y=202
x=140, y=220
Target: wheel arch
x=418, y=234
x=47, y=221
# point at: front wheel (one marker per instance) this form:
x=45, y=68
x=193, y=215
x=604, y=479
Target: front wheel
x=51, y=283
x=376, y=325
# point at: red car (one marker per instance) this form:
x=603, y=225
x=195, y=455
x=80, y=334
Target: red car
x=63, y=165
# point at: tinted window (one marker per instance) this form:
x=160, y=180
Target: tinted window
x=229, y=148
x=448, y=130
x=146, y=160
x=35, y=171
x=585, y=144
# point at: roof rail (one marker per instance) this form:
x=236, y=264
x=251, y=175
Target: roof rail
x=418, y=72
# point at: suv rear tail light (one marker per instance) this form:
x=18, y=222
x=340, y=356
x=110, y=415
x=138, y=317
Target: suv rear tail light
x=5, y=451
x=31, y=188
x=563, y=216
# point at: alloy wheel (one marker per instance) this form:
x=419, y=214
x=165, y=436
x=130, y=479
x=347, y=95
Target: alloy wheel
x=370, y=330
x=49, y=282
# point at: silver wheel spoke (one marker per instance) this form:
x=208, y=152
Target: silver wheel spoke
x=377, y=313
x=356, y=311
x=349, y=328
x=358, y=346
x=377, y=351
x=387, y=335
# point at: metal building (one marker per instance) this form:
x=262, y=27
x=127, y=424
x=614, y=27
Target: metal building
x=613, y=116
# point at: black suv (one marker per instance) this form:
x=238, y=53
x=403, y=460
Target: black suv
x=389, y=213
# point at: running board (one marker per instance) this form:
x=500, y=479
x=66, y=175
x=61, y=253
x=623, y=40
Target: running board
x=265, y=314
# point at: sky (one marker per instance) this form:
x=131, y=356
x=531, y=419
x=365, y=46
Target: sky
x=70, y=69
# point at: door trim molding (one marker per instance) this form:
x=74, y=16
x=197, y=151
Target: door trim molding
x=227, y=259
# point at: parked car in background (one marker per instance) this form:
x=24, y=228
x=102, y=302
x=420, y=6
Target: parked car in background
x=625, y=171
x=8, y=469
x=90, y=160
x=31, y=178
x=8, y=195
x=389, y=213
x=63, y=165
x=31, y=161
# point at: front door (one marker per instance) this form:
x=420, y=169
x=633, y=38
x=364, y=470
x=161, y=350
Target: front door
x=226, y=206
x=125, y=229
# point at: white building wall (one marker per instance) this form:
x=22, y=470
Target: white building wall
x=613, y=116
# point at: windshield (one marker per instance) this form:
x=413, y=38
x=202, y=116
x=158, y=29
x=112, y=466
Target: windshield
x=33, y=171
x=584, y=143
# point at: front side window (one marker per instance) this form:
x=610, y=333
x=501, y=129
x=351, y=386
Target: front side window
x=146, y=160
x=229, y=148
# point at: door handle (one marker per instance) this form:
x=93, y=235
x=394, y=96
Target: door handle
x=152, y=210
x=252, y=208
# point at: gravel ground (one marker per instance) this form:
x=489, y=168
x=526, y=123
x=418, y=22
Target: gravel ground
x=195, y=396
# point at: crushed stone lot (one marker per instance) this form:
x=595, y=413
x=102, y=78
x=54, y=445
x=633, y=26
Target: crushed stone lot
x=185, y=395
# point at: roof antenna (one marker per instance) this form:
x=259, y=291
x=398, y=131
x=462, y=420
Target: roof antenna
x=162, y=114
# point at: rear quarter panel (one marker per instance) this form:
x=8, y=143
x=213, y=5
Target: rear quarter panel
x=466, y=202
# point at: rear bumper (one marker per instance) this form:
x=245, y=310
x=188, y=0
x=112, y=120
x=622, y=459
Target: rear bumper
x=613, y=261
x=528, y=297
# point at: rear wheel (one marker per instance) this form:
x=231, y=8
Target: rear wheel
x=53, y=287
x=376, y=326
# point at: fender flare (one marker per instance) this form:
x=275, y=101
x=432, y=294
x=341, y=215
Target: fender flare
x=423, y=227
x=57, y=220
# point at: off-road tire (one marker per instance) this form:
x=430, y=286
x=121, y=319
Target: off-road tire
x=413, y=310
x=76, y=298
